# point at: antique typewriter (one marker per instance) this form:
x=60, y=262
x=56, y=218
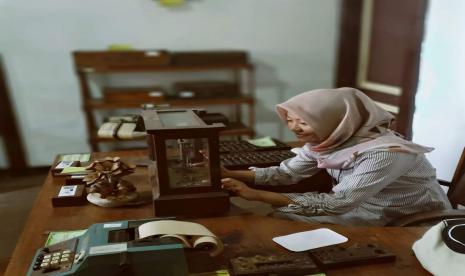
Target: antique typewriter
x=242, y=155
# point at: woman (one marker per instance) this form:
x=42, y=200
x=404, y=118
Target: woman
x=378, y=175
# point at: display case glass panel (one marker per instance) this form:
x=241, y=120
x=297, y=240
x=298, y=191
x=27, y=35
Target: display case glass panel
x=177, y=118
x=187, y=163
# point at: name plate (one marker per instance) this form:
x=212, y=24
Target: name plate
x=67, y=191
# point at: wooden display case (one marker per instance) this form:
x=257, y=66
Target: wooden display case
x=88, y=63
x=187, y=180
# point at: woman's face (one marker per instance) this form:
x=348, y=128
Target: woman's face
x=301, y=129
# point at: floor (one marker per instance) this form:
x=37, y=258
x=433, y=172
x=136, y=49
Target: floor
x=17, y=195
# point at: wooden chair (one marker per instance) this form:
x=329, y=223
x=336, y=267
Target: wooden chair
x=456, y=195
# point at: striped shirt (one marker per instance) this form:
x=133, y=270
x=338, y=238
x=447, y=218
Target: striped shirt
x=382, y=183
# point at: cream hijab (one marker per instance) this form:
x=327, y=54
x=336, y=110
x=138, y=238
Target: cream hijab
x=347, y=122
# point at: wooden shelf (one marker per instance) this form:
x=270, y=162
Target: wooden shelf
x=166, y=68
x=101, y=104
x=234, y=128
x=235, y=62
x=237, y=128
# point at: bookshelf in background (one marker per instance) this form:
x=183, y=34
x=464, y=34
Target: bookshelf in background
x=236, y=92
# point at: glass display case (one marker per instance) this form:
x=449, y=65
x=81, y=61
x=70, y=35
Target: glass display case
x=186, y=172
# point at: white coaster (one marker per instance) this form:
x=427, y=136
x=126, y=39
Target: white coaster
x=307, y=240
x=111, y=201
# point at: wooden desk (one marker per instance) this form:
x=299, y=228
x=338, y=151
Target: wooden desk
x=245, y=234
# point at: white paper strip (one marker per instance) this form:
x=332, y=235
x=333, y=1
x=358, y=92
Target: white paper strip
x=192, y=235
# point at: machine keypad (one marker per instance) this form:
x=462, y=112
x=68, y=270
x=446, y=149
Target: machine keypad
x=53, y=260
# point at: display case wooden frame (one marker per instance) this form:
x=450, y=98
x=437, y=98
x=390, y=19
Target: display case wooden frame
x=187, y=201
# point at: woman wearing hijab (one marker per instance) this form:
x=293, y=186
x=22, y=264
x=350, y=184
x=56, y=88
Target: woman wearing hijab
x=378, y=175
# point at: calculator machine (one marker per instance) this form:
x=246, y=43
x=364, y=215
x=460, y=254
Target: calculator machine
x=111, y=249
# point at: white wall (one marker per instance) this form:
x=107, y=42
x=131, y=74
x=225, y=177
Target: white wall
x=293, y=43
x=439, y=119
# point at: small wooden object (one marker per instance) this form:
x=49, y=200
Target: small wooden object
x=284, y=264
x=70, y=160
x=70, y=195
x=358, y=254
x=64, y=164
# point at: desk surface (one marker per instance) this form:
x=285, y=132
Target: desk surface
x=243, y=234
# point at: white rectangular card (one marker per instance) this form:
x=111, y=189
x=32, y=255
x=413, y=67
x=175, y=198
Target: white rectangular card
x=307, y=240
x=64, y=164
x=67, y=191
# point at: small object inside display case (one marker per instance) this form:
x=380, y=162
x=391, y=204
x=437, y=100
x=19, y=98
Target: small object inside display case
x=186, y=171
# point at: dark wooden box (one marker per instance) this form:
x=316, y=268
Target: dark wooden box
x=79, y=198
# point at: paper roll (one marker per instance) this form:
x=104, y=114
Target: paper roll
x=184, y=231
x=181, y=238
x=203, y=242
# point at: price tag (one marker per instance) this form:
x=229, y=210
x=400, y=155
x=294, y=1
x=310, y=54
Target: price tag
x=67, y=191
x=64, y=164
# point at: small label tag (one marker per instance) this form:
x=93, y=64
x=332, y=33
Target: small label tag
x=64, y=164
x=112, y=225
x=111, y=248
x=67, y=191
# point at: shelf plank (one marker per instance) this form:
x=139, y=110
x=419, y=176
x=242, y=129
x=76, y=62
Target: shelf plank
x=100, y=104
x=233, y=129
x=166, y=68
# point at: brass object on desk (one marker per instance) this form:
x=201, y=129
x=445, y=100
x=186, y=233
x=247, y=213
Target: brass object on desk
x=186, y=171
x=107, y=189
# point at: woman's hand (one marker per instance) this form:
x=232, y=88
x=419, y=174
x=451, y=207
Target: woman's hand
x=240, y=188
x=225, y=173
x=244, y=175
